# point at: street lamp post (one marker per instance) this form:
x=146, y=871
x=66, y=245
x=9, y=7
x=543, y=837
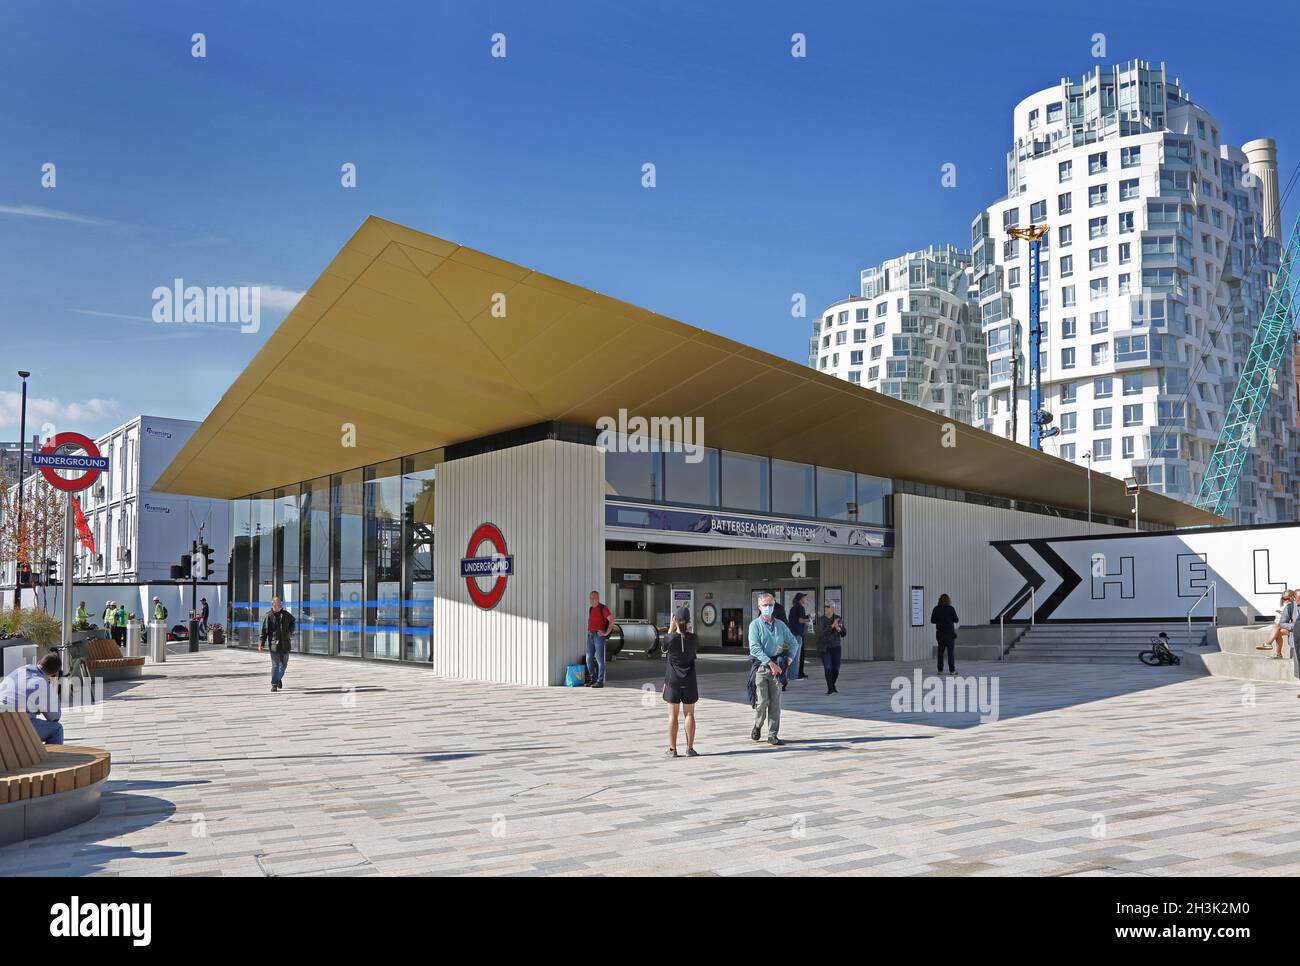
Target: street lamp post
x=1088, y=457
x=22, y=458
x=1133, y=488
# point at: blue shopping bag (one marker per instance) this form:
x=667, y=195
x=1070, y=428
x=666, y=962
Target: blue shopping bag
x=575, y=675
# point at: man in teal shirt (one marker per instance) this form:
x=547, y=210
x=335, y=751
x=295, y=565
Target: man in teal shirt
x=769, y=638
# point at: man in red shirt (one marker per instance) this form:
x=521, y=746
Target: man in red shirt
x=599, y=625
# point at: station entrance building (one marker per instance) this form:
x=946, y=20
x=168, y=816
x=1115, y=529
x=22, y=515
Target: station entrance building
x=421, y=466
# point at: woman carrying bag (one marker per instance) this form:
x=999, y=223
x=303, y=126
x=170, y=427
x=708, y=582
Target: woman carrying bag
x=830, y=636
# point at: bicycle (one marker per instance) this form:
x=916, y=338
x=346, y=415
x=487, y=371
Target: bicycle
x=73, y=665
x=1160, y=654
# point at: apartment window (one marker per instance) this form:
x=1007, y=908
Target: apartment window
x=1125, y=222
x=873, y=373
x=855, y=358
x=1102, y=388
x=823, y=363
x=1067, y=266
x=1069, y=392
x=841, y=338
x=855, y=377
x=1038, y=212
x=1100, y=450
x=1069, y=423
x=1130, y=157
x=881, y=309
x=1098, y=288
x=878, y=330
x=859, y=335
x=1097, y=227
x=999, y=339
x=1133, y=415
x=1100, y=322
x=1128, y=189
x=1100, y=353
x=1067, y=296
x=1130, y=348
x=1053, y=112
x=1067, y=358
x=1065, y=171
x=1097, y=257
x=1097, y=163
x=1033, y=119
x=875, y=352
x=1125, y=252
x=1067, y=452
x=1011, y=218
x=1101, y=418
x=1125, y=284
x=1064, y=204
x=1097, y=195
x=1133, y=384
x=1067, y=327
x=844, y=317
x=1126, y=448
x=1013, y=278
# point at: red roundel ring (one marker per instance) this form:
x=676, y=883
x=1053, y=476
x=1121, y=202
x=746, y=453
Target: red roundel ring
x=486, y=533
x=84, y=443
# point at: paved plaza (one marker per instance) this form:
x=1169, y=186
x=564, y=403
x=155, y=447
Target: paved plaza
x=360, y=769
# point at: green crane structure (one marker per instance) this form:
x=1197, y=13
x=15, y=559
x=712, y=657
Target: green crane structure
x=1258, y=376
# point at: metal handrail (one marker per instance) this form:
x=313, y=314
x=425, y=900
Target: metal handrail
x=1002, y=618
x=1213, y=590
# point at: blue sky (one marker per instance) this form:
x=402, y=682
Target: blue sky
x=776, y=175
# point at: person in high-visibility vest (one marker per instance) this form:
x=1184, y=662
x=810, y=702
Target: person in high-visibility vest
x=119, y=625
x=159, y=611
x=110, y=609
x=82, y=616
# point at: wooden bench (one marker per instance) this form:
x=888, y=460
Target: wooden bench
x=44, y=788
x=105, y=660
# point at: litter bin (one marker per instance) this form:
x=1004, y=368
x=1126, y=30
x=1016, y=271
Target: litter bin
x=194, y=635
x=158, y=641
x=134, y=631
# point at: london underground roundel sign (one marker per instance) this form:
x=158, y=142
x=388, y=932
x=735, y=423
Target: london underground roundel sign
x=49, y=460
x=496, y=565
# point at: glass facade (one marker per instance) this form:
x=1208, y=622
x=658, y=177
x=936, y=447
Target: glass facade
x=752, y=484
x=351, y=556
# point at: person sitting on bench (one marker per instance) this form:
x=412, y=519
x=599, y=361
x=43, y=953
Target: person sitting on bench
x=33, y=689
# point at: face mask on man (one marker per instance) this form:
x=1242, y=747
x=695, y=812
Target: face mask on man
x=767, y=610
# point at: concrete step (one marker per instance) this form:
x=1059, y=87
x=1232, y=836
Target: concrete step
x=1232, y=665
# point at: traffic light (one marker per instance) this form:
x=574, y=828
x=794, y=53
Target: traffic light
x=24, y=574
x=204, y=566
x=51, y=571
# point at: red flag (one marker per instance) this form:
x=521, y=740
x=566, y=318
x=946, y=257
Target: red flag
x=83, y=529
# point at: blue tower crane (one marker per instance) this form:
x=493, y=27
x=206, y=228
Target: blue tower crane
x=1039, y=418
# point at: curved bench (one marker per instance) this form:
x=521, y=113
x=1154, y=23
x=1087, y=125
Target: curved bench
x=105, y=660
x=45, y=788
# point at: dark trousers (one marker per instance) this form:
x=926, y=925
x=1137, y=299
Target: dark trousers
x=831, y=664
x=802, y=651
x=951, y=648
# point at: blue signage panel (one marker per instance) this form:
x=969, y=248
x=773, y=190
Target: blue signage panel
x=762, y=529
x=70, y=461
x=501, y=565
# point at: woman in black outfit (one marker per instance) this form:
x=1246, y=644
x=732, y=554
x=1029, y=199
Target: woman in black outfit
x=830, y=637
x=944, y=618
x=680, y=687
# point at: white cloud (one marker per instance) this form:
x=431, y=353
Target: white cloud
x=53, y=214
x=61, y=414
x=279, y=299
x=116, y=315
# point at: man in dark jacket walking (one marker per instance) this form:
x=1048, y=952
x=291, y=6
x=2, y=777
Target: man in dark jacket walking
x=277, y=628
